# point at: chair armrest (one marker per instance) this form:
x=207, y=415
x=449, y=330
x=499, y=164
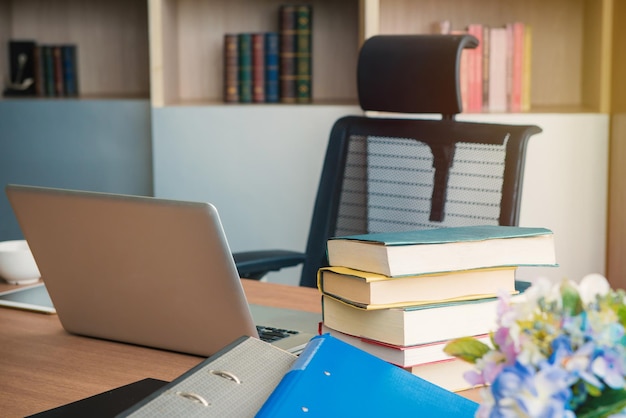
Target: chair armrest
x=256, y=264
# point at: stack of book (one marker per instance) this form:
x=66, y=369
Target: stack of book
x=402, y=296
x=271, y=67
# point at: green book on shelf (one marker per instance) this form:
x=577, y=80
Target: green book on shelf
x=443, y=249
x=245, y=67
x=303, y=53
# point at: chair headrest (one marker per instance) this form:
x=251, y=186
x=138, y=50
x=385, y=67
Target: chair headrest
x=412, y=73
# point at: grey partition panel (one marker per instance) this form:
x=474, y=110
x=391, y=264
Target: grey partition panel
x=99, y=145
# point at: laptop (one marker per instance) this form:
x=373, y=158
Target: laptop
x=142, y=270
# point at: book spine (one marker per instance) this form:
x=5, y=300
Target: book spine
x=517, y=66
x=303, y=53
x=497, y=70
x=258, y=67
x=48, y=70
x=287, y=54
x=245, y=67
x=69, y=70
x=231, y=68
x=57, y=55
x=271, y=67
x=486, y=49
x=526, y=72
x=476, y=72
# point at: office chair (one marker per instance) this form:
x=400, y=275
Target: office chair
x=394, y=172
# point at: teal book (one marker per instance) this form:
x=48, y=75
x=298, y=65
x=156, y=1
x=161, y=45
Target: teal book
x=245, y=67
x=397, y=254
x=334, y=379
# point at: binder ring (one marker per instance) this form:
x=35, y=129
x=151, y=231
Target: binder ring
x=193, y=397
x=226, y=375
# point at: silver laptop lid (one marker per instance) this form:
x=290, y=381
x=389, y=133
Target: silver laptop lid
x=141, y=270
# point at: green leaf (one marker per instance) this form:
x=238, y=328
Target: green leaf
x=466, y=348
x=610, y=402
x=572, y=304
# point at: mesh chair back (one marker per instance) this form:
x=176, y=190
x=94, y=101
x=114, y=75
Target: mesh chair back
x=396, y=174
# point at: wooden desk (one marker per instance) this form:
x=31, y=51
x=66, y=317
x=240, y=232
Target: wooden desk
x=42, y=366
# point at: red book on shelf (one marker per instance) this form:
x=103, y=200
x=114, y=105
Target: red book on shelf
x=258, y=67
x=231, y=68
x=475, y=82
x=287, y=54
x=517, y=67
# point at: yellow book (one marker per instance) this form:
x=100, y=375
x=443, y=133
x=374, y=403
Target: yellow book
x=377, y=291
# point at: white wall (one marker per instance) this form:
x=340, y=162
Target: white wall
x=260, y=167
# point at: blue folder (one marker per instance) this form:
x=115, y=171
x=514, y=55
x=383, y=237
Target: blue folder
x=332, y=378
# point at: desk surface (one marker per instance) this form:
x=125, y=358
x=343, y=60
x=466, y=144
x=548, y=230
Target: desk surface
x=42, y=366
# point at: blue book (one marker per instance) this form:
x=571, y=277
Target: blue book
x=335, y=379
x=271, y=67
x=440, y=250
x=70, y=76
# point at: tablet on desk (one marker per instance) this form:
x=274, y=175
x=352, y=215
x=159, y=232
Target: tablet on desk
x=31, y=298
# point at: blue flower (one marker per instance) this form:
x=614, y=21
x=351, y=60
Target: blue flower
x=521, y=391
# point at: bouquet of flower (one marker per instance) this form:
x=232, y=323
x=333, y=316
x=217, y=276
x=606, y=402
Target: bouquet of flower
x=557, y=351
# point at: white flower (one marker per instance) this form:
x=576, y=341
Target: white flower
x=591, y=286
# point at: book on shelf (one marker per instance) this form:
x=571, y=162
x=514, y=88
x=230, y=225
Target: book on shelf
x=70, y=74
x=287, y=53
x=303, y=53
x=57, y=56
x=526, y=72
x=48, y=69
x=498, y=69
x=517, y=66
x=485, y=67
x=231, y=68
x=245, y=67
x=332, y=378
x=272, y=46
x=258, y=67
x=448, y=373
x=400, y=355
x=413, y=325
x=235, y=382
x=475, y=71
x=443, y=249
x=376, y=290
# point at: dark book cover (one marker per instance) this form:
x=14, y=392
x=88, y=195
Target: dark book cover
x=21, y=68
x=70, y=70
x=57, y=57
x=245, y=67
x=303, y=53
x=272, y=92
x=231, y=68
x=287, y=53
x=39, y=71
x=258, y=67
x=48, y=70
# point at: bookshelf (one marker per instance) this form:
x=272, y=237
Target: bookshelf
x=111, y=36
x=186, y=40
x=169, y=53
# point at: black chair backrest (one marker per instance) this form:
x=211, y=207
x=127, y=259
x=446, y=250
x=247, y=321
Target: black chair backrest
x=385, y=174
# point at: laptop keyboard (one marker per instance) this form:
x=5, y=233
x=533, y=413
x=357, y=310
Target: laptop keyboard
x=270, y=334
